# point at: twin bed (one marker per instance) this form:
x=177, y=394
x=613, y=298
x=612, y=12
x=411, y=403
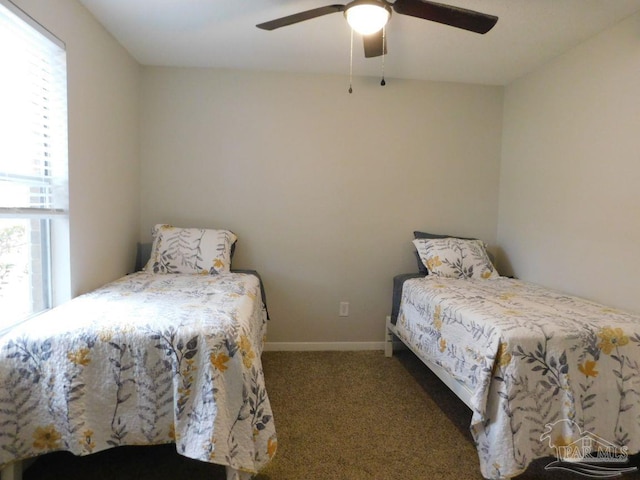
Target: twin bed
x=169, y=354
x=545, y=374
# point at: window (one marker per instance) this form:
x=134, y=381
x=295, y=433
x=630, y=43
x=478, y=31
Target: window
x=33, y=163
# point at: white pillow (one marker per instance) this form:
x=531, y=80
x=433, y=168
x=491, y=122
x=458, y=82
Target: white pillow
x=190, y=250
x=455, y=257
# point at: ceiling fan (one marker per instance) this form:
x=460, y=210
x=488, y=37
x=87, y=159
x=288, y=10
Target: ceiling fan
x=368, y=17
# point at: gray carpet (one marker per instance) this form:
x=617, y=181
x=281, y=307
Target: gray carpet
x=339, y=416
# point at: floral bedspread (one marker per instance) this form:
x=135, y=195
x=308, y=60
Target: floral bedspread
x=147, y=359
x=534, y=359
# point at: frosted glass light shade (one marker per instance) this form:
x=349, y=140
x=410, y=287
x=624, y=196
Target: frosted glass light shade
x=367, y=18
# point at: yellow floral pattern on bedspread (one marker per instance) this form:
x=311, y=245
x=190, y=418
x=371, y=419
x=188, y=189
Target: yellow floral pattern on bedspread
x=531, y=356
x=148, y=359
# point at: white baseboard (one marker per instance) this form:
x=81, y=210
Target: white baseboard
x=321, y=346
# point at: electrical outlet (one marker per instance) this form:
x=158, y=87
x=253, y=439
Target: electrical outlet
x=344, y=309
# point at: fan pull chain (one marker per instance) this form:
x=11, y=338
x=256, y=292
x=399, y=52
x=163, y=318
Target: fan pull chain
x=384, y=44
x=351, y=65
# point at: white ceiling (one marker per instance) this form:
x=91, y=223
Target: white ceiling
x=222, y=34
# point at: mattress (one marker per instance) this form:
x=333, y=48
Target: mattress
x=534, y=359
x=147, y=359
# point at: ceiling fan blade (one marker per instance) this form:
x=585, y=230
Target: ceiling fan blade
x=374, y=45
x=300, y=17
x=447, y=14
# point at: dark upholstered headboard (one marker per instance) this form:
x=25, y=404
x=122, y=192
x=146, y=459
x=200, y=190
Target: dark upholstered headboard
x=142, y=255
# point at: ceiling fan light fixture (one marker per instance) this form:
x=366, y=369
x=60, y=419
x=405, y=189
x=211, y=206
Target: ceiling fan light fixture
x=367, y=17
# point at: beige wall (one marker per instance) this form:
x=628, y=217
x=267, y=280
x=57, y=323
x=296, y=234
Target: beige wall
x=322, y=188
x=104, y=168
x=570, y=176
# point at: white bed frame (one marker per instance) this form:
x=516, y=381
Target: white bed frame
x=13, y=471
x=457, y=387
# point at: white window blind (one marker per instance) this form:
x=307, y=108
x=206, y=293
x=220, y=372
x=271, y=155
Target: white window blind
x=33, y=160
x=33, y=118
